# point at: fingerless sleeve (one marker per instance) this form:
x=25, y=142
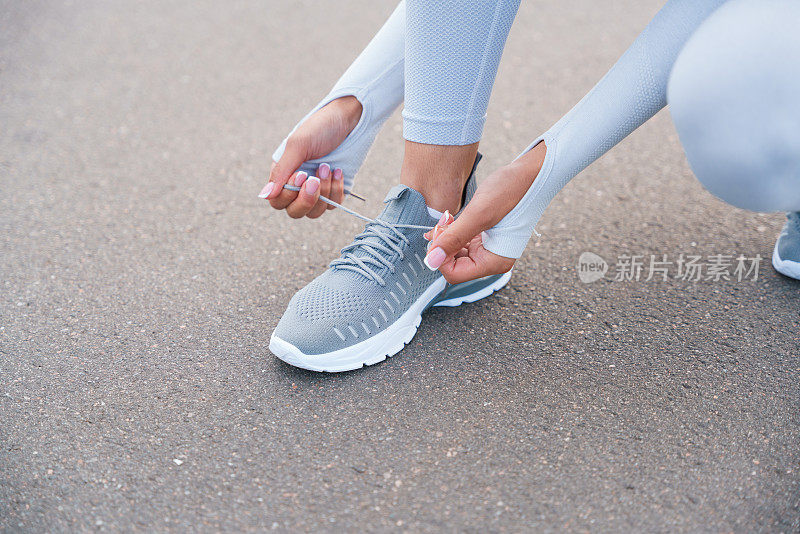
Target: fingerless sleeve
x=375, y=78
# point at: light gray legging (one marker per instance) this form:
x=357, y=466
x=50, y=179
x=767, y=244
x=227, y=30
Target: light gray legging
x=734, y=95
x=442, y=56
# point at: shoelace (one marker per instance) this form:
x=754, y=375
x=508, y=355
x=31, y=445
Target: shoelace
x=359, y=263
x=362, y=217
x=391, y=242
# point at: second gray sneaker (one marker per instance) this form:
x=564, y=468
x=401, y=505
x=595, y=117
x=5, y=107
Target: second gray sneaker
x=786, y=256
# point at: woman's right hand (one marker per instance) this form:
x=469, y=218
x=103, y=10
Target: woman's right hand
x=316, y=137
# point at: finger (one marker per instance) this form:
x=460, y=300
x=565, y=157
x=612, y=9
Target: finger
x=307, y=199
x=285, y=167
x=477, y=264
x=461, y=253
x=444, y=221
x=461, y=269
x=324, y=174
x=267, y=189
x=472, y=221
x=451, y=241
x=287, y=196
x=337, y=188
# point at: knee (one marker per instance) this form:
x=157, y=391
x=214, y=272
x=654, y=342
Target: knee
x=733, y=95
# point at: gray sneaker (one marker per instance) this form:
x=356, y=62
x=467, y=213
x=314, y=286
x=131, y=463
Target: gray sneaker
x=370, y=301
x=786, y=256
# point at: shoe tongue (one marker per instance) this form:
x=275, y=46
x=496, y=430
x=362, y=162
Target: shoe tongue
x=405, y=206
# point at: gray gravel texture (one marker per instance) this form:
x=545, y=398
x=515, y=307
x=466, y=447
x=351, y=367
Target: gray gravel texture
x=141, y=278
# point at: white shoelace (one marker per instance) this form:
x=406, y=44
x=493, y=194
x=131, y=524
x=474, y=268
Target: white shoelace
x=362, y=217
x=390, y=243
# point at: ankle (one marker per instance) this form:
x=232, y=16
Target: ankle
x=438, y=172
x=442, y=195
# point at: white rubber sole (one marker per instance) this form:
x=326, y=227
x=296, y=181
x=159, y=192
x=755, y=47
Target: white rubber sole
x=785, y=267
x=382, y=345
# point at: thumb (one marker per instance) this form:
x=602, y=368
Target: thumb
x=293, y=156
x=458, y=234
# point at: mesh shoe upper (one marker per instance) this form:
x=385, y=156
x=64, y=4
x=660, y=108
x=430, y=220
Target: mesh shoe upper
x=345, y=306
x=788, y=245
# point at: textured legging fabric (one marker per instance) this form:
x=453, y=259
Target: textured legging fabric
x=442, y=56
x=734, y=95
x=453, y=48
x=632, y=92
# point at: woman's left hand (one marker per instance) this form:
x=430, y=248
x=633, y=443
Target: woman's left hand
x=457, y=250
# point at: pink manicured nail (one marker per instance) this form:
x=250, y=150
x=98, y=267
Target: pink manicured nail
x=312, y=186
x=444, y=218
x=324, y=171
x=267, y=190
x=300, y=179
x=337, y=174
x=435, y=258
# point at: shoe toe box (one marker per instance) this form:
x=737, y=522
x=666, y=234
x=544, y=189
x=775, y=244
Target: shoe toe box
x=318, y=318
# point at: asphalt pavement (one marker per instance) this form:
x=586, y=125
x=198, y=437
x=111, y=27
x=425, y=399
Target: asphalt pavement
x=140, y=278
